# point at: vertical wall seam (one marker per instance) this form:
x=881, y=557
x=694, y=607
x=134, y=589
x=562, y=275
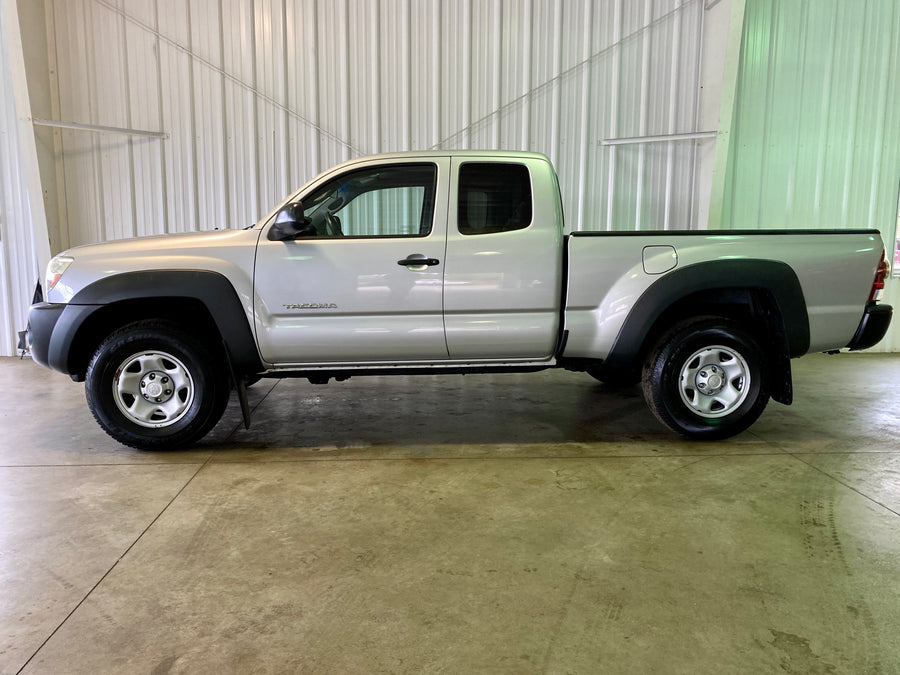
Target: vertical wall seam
x=891, y=232
x=288, y=178
x=584, y=138
x=255, y=116
x=192, y=126
x=644, y=109
x=825, y=121
x=345, y=112
x=801, y=97
x=163, y=160
x=467, y=57
x=59, y=156
x=436, y=96
x=226, y=154
x=406, y=69
x=854, y=118
x=674, y=75
x=496, y=68
x=614, y=113
x=100, y=226
x=768, y=104
x=316, y=95
x=376, y=103
x=875, y=185
x=132, y=196
x=693, y=206
x=556, y=90
x=529, y=65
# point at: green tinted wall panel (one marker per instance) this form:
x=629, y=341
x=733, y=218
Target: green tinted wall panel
x=815, y=134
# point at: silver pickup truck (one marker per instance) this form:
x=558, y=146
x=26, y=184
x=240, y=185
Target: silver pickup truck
x=449, y=262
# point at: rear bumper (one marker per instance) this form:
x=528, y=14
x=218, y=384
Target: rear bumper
x=872, y=327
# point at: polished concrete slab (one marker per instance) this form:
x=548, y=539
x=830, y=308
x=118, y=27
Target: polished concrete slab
x=513, y=524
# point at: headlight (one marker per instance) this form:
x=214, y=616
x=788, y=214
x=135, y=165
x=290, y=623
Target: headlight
x=55, y=270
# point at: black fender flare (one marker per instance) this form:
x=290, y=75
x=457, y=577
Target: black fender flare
x=772, y=277
x=212, y=289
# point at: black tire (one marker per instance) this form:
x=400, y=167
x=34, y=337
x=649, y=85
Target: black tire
x=706, y=379
x=152, y=386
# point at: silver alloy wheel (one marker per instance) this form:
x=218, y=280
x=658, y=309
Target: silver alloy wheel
x=153, y=389
x=714, y=381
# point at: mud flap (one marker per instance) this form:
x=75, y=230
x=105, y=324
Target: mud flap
x=241, y=388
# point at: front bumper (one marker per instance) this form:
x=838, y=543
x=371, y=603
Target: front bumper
x=42, y=319
x=51, y=332
x=872, y=327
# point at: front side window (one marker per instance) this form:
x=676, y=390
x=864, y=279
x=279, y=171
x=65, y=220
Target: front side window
x=395, y=200
x=493, y=197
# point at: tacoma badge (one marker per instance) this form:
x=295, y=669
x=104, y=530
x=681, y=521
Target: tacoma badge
x=311, y=305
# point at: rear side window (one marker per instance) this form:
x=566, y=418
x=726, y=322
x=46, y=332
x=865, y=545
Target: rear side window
x=493, y=197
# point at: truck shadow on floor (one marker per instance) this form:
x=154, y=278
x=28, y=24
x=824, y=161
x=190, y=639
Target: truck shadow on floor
x=568, y=412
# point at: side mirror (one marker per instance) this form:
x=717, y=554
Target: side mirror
x=290, y=223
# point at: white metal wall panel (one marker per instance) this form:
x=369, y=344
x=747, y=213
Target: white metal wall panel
x=209, y=127
x=106, y=44
x=18, y=269
x=257, y=97
x=144, y=113
x=427, y=43
x=80, y=150
x=178, y=116
x=241, y=189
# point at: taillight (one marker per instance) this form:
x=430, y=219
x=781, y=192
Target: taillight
x=881, y=273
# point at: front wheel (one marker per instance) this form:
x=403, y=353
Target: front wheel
x=705, y=379
x=152, y=386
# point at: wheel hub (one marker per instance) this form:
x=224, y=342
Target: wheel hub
x=710, y=380
x=714, y=381
x=153, y=389
x=156, y=387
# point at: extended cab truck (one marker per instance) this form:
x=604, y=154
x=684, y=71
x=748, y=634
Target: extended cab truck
x=450, y=262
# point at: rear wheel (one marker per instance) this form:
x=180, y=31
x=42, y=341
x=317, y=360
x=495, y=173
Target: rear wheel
x=150, y=385
x=705, y=379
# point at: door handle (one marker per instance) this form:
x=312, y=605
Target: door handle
x=415, y=261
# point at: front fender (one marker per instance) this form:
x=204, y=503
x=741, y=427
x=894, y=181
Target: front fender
x=213, y=290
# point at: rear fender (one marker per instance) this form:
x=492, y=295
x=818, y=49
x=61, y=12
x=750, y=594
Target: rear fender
x=765, y=293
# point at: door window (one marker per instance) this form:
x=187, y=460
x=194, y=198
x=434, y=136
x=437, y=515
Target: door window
x=387, y=201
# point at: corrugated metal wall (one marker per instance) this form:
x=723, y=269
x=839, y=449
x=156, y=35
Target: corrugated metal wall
x=815, y=140
x=18, y=267
x=816, y=134
x=257, y=97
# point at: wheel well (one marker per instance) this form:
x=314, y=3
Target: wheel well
x=189, y=314
x=745, y=306
x=755, y=309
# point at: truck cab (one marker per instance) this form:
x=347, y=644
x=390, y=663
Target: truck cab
x=414, y=260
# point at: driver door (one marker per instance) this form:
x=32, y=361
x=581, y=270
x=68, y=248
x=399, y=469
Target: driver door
x=350, y=287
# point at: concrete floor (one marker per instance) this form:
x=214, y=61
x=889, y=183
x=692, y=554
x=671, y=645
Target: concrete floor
x=503, y=524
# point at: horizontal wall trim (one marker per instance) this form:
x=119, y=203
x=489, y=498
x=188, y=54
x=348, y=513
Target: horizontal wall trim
x=98, y=128
x=659, y=139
